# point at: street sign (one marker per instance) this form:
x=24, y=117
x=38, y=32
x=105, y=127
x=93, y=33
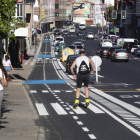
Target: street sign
x=97, y=62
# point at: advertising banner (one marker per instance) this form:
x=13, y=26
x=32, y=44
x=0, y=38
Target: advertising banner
x=81, y=8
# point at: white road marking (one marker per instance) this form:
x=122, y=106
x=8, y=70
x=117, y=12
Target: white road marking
x=75, y=117
x=79, y=122
x=68, y=91
x=117, y=101
x=59, y=109
x=94, y=109
x=78, y=110
x=71, y=112
x=67, y=108
x=33, y=62
x=64, y=105
x=27, y=61
x=101, y=76
x=53, y=93
x=59, y=100
x=56, y=91
x=123, y=115
x=92, y=136
x=41, y=109
x=136, y=119
x=57, y=97
x=45, y=91
x=62, y=102
x=33, y=91
x=85, y=129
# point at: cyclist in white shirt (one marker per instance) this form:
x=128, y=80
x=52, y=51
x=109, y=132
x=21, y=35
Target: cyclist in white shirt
x=7, y=64
x=4, y=78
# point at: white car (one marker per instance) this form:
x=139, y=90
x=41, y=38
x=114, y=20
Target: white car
x=82, y=26
x=58, y=39
x=110, y=36
x=134, y=48
x=77, y=43
x=90, y=35
x=72, y=30
x=106, y=42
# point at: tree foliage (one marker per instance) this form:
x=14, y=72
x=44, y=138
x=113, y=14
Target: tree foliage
x=109, y=13
x=7, y=20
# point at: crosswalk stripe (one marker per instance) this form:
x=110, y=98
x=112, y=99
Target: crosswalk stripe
x=94, y=108
x=56, y=91
x=41, y=109
x=59, y=109
x=85, y=129
x=78, y=110
x=45, y=91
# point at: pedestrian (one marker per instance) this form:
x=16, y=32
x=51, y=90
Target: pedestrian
x=4, y=78
x=7, y=64
x=83, y=75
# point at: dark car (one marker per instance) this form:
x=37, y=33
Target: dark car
x=111, y=50
x=79, y=33
x=103, y=51
x=57, y=32
x=128, y=45
x=69, y=62
x=137, y=51
x=76, y=25
x=65, y=32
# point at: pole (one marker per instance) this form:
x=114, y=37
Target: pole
x=96, y=70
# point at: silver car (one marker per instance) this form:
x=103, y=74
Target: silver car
x=120, y=54
x=90, y=35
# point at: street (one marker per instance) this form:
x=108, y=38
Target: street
x=113, y=112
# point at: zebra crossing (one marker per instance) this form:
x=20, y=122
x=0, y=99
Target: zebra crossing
x=69, y=35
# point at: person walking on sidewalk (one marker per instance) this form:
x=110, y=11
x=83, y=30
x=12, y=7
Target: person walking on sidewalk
x=83, y=75
x=7, y=64
x=4, y=78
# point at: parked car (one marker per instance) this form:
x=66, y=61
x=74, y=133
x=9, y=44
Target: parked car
x=111, y=50
x=133, y=49
x=90, y=35
x=137, y=51
x=65, y=32
x=103, y=51
x=129, y=45
x=120, y=54
x=76, y=43
x=75, y=48
x=69, y=62
x=57, y=32
x=79, y=33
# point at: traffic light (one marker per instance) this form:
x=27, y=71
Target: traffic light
x=123, y=14
x=43, y=13
x=114, y=14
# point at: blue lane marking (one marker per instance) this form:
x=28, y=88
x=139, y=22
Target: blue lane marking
x=44, y=56
x=46, y=41
x=33, y=82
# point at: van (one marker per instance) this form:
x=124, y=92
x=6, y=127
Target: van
x=119, y=40
x=82, y=26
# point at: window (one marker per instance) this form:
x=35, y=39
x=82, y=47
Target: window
x=56, y=6
x=56, y=14
x=19, y=10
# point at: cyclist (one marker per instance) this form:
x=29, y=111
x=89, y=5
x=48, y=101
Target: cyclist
x=83, y=75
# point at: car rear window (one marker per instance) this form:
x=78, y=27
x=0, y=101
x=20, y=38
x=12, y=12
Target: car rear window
x=121, y=51
x=72, y=47
x=82, y=25
x=107, y=41
x=134, y=46
x=59, y=39
x=105, y=48
x=79, y=47
x=77, y=44
x=57, y=31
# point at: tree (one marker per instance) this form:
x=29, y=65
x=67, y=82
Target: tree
x=7, y=20
x=109, y=13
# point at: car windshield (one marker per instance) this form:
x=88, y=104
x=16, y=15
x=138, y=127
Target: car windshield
x=72, y=28
x=72, y=47
x=121, y=51
x=65, y=31
x=59, y=39
x=77, y=43
x=79, y=47
x=90, y=33
x=82, y=25
x=107, y=40
x=105, y=48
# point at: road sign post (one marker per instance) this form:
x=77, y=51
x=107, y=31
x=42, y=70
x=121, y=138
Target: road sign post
x=97, y=61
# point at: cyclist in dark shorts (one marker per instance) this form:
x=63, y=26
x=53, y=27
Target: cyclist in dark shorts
x=83, y=75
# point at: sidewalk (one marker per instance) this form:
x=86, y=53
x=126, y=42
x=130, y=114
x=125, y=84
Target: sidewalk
x=18, y=113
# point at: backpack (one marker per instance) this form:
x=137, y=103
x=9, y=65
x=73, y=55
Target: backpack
x=84, y=69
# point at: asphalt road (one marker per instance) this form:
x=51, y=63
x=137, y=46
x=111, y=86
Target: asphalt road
x=111, y=115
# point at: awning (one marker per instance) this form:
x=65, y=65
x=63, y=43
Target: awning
x=21, y=32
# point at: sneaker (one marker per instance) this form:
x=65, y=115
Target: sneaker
x=87, y=101
x=76, y=103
